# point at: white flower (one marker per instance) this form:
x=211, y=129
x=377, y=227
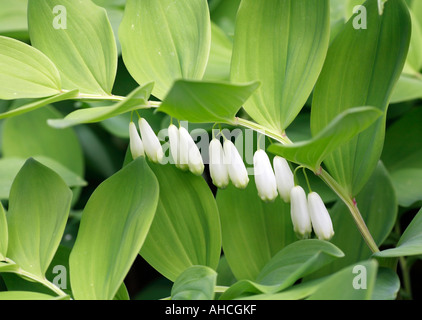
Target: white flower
x=174, y=139
x=189, y=151
x=237, y=170
x=321, y=220
x=299, y=212
x=264, y=176
x=135, y=142
x=284, y=178
x=152, y=145
x=218, y=169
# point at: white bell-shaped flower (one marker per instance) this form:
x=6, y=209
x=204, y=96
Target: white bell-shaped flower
x=189, y=151
x=299, y=212
x=218, y=168
x=264, y=176
x=237, y=170
x=152, y=145
x=321, y=220
x=284, y=178
x=174, y=139
x=135, y=143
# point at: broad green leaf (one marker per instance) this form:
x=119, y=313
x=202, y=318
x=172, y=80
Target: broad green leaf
x=13, y=22
x=408, y=186
x=218, y=67
x=253, y=231
x=9, y=168
x=345, y=83
x=8, y=267
x=29, y=135
x=186, y=227
x=165, y=40
x=402, y=155
x=378, y=206
x=416, y=7
x=78, y=38
x=38, y=104
x=410, y=242
x=195, y=283
x=286, y=267
x=297, y=292
x=113, y=228
x=414, y=57
x=39, y=206
x=407, y=88
x=340, y=285
x=223, y=13
x=403, y=144
x=338, y=132
x=387, y=285
x=287, y=63
x=24, y=295
x=197, y=101
x=137, y=99
x=25, y=72
x=3, y=233
x=122, y=293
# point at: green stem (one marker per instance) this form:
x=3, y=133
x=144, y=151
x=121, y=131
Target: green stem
x=325, y=176
x=351, y=205
x=44, y=281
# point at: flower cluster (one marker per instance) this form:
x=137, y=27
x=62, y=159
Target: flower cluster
x=226, y=165
x=183, y=149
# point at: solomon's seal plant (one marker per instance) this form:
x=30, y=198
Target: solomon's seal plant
x=240, y=148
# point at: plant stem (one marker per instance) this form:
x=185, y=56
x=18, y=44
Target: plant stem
x=44, y=281
x=354, y=210
x=326, y=177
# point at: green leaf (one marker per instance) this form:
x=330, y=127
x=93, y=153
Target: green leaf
x=253, y=230
x=223, y=13
x=338, y=132
x=410, y=243
x=186, y=227
x=287, y=63
x=113, y=228
x=39, y=206
x=79, y=39
x=9, y=168
x=345, y=82
x=408, y=186
x=3, y=233
x=25, y=72
x=39, y=104
x=24, y=295
x=205, y=102
x=13, y=22
x=414, y=57
x=165, y=40
x=286, y=267
x=402, y=155
x=387, y=285
x=378, y=206
x=137, y=99
x=195, y=283
x=218, y=67
x=407, y=88
x=340, y=285
x=28, y=135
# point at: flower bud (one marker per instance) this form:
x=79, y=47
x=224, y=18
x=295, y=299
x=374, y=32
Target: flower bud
x=299, y=213
x=174, y=139
x=218, y=168
x=321, y=220
x=135, y=142
x=190, y=149
x=284, y=178
x=152, y=145
x=264, y=176
x=236, y=168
